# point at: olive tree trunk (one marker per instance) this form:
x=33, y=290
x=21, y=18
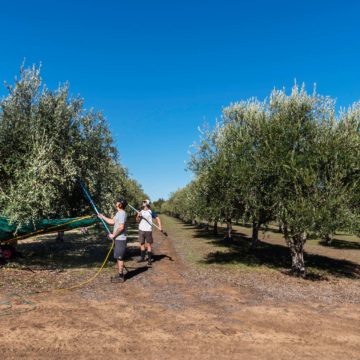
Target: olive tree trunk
x=296, y=245
x=328, y=239
x=228, y=234
x=215, y=229
x=255, y=234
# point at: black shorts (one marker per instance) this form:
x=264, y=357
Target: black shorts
x=119, y=249
x=145, y=236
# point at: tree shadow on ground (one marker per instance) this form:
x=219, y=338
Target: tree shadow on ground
x=133, y=254
x=77, y=250
x=341, y=244
x=202, y=233
x=240, y=251
x=159, y=257
x=135, y=271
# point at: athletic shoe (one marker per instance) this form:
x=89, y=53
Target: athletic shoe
x=118, y=279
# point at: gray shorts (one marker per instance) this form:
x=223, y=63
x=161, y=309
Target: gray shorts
x=145, y=236
x=119, y=249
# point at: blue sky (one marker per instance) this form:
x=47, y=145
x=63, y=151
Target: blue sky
x=159, y=69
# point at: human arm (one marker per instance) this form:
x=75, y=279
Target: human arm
x=155, y=216
x=117, y=232
x=106, y=219
x=159, y=223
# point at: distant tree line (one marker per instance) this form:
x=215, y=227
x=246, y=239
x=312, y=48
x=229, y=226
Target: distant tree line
x=292, y=159
x=157, y=204
x=48, y=141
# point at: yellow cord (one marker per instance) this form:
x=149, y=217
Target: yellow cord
x=34, y=306
x=90, y=279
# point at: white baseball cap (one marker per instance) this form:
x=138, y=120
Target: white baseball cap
x=146, y=202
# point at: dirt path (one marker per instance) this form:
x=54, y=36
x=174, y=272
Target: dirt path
x=166, y=312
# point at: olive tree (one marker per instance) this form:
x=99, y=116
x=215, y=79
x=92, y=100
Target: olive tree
x=339, y=173
x=290, y=159
x=217, y=187
x=47, y=142
x=243, y=127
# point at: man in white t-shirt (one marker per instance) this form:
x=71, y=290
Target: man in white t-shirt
x=145, y=218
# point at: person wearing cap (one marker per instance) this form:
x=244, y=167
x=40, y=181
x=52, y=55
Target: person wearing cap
x=118, y=235
x=145, y=218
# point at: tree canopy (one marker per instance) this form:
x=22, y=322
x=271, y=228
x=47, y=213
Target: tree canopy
x=291, y=159
x=48, y=141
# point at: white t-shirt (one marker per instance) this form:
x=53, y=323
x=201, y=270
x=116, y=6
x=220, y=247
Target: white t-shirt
x=146, y=221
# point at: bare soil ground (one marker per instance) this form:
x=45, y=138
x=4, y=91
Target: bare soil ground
x=203, y=298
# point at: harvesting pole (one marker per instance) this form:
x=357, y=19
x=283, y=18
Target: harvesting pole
x=152, y=224
x=93, y=205
x=104, y=223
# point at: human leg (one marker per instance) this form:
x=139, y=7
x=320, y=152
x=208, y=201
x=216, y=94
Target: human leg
x=119, y=255
x=149, y=242
x=142, y=246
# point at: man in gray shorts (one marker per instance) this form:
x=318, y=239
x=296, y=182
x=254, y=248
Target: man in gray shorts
x=119, y=236
x=145, y=218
